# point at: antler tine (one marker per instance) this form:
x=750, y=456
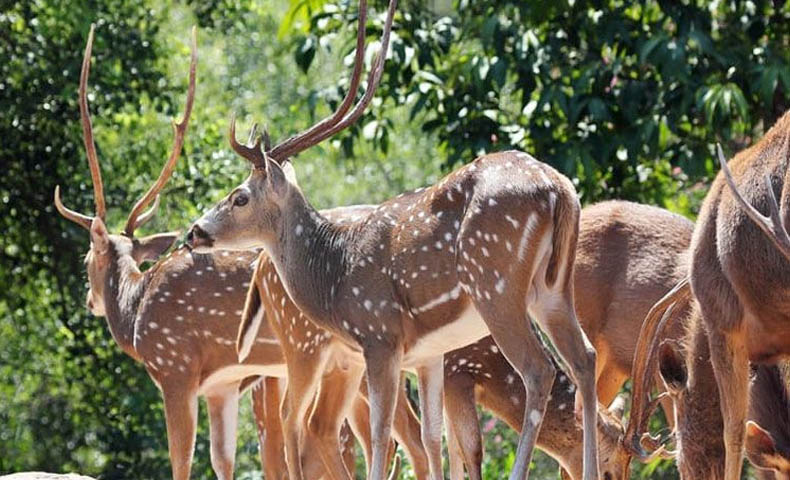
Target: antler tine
x=251, y=152
x=294, y=143
x=373, y=81
x=644, y=363
x=87, y=129
x=179, y=131
x=773, y=226
x=82, y=220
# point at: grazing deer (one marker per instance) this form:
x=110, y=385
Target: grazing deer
x=180, y=317
x=425, y=273
x=628, y=256
x=685, y=367
x=479, y=373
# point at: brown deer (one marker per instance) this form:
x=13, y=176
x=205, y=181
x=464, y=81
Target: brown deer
x=741, y=277
x=479, y=373
x=180, y=317
x=628, y=256
x=687, y=373
x=425, y=273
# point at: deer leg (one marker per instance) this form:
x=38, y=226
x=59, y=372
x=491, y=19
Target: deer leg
x=463, y=426
x=359, y=420
x=529, y=358
x=266, y=400
x=223, y=411
x=556, y=314
x=383, y=371
x=335, y=395
x=181, y=420
x=407, y=431
x=454, y=453
x=431, y=382
x=303, y=378
x=729, y=356
x=608, y=383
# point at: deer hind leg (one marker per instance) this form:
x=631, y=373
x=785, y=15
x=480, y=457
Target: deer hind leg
x=731, y=368
x=499, y=293
x=223, y=410
x=303, y=378
x=556, y=314
x=431, y=381
x=266, y=399
x=181, y=419
x=335, y=396
x=463, y=427
x=383, y=372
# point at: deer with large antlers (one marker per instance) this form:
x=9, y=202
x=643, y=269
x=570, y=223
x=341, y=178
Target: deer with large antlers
x=628, y=256
x=425, y=273
x=739, y=277
x=180, y=319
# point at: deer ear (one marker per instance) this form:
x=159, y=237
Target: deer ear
x=760, y=447
x=672, y=366
x=150, y=248
x=290, y=173
x=100, y=239
x=275, y=176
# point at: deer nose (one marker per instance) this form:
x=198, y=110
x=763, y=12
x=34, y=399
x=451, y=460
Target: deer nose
x=197, y=237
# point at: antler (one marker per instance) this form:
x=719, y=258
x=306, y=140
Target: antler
x=252, y=151
x=179, y=131
x=644, y=364
x=773, y=226
x=90, y=147
x=87, y=129
x=338, y=120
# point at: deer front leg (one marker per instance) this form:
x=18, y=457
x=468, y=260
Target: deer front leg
x=383, y=371
x=181, y=420
x=406, y=430
x=337, y=391
x=223, y=411
x=431, y=381
x=730, y=361
x=266, y=399
x=463, y=427
x=303, y=378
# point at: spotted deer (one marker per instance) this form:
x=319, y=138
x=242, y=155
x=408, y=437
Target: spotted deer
x=740, y=274
x=180, y=318
x=628, y=256
x=425, y=273
x=309, y=352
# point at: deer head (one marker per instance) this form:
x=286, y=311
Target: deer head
x=253, y=212
x=103, y=244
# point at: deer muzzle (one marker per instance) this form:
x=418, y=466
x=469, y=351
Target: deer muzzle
x=199, y=239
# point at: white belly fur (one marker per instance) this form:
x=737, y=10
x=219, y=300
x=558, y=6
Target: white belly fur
x=468, y=328
x=237, y=373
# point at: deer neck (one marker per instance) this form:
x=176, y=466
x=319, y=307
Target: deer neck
x=124, y=287
x=310, y=255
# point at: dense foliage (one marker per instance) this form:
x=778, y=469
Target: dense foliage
x=626, y=98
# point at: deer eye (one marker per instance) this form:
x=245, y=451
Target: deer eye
x=240, y=200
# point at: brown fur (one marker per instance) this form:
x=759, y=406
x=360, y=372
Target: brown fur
x=628, y=255
x=742, y=282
